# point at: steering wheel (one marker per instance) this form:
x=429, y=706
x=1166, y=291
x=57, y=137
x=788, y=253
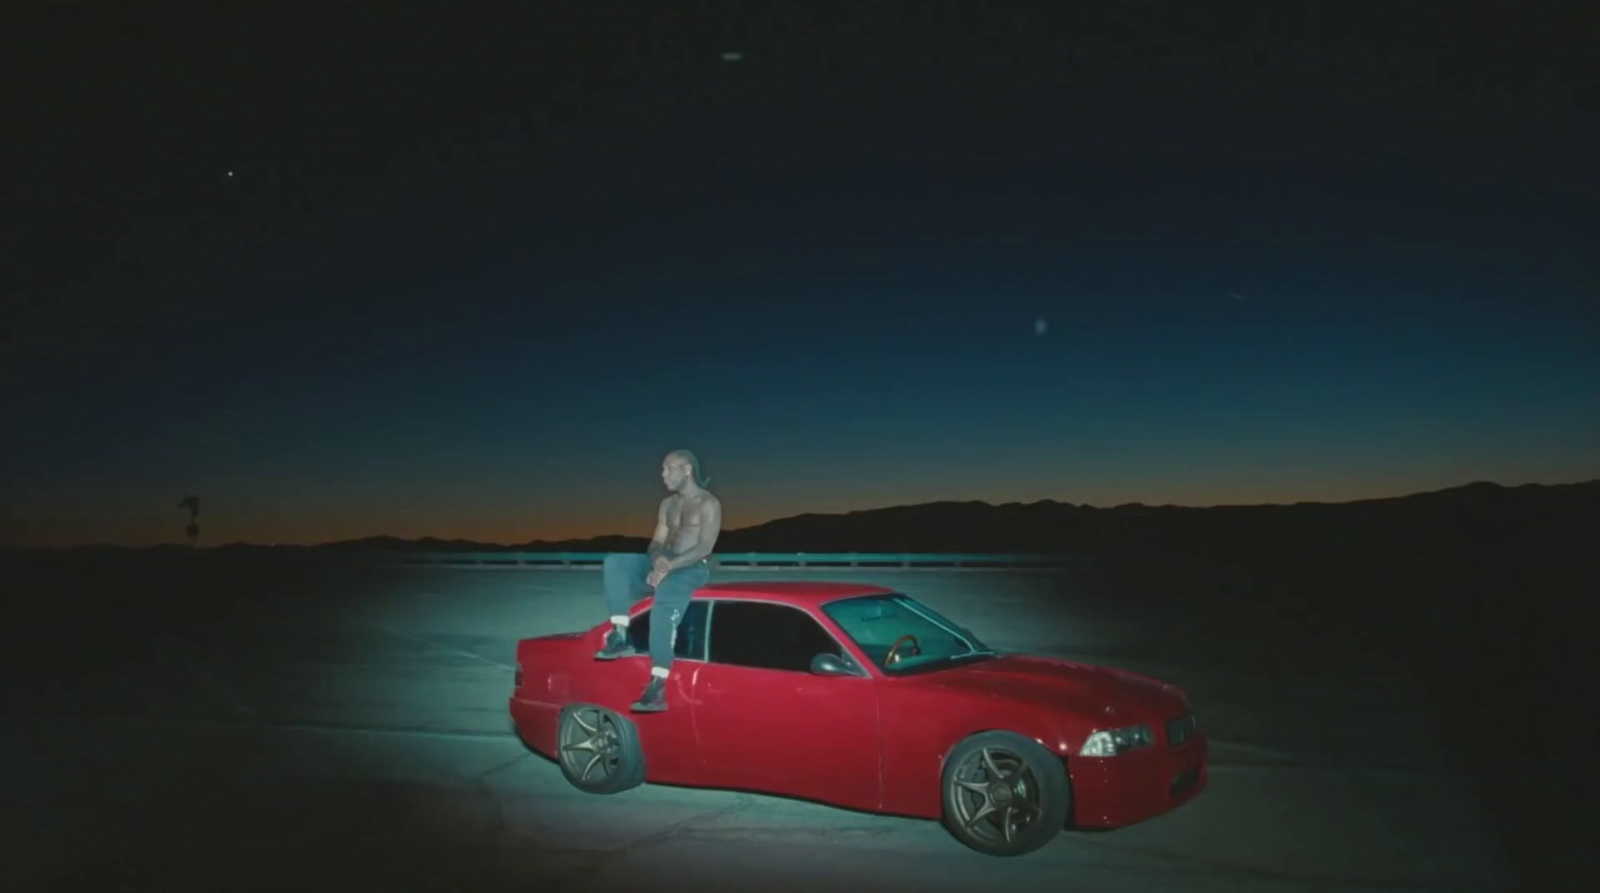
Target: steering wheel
x=893, y=657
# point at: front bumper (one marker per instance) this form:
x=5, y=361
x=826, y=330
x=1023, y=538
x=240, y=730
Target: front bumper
x=1109, y=792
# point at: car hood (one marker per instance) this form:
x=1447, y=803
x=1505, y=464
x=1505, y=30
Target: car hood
x=1095, y=691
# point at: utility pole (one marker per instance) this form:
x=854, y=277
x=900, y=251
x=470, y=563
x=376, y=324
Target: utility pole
x=192, y=503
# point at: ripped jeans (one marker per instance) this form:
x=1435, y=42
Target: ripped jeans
x=625, y=584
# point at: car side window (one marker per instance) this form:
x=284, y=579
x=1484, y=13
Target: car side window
x=691, y=640
x=769, y=636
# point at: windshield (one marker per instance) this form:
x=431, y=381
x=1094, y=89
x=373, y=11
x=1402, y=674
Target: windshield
x=925, y=639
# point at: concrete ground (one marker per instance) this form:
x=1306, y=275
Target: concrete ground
x=344, y=727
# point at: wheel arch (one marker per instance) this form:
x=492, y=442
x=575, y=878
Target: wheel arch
x=1046, y=734
x=1049, y=735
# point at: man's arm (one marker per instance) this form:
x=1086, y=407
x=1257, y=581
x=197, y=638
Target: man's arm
x=658, y=542
x=710, y=526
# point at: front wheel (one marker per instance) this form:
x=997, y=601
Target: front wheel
x=1004, y=794
x=599, y=750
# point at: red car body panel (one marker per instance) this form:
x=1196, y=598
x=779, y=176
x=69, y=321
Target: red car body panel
x=789, y=733
x=876, y=743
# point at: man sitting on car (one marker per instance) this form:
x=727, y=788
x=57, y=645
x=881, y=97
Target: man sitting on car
x=675, y=565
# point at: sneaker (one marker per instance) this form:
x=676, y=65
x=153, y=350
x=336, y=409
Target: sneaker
x=616, y=646
x=654, y=699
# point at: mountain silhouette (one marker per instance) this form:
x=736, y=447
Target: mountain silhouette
x=1528, y=514
x=1540, y=517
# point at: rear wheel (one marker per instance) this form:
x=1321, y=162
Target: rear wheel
x=599, y=750
x=1004, y=794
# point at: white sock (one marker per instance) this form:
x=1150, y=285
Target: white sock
x=620, y=621
x=659, y=671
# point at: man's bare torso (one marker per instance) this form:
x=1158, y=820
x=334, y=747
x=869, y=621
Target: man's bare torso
x=684, y=517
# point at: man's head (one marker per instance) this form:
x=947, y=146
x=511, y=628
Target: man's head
x=680, y=469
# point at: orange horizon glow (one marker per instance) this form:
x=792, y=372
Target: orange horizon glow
x=502, y=526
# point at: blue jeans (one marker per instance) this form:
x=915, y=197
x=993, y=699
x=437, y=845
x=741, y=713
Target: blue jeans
x=625, y=584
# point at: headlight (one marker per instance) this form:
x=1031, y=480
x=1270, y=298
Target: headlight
x=1110, y=742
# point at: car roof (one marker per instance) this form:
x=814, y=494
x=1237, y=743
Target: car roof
x=804, y=593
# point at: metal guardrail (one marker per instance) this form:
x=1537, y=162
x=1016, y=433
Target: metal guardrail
x=751, y=560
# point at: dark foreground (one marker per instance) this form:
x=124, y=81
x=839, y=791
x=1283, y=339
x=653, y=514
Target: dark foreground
x=213, y=722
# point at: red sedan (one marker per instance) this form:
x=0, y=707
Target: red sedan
x=863, y=697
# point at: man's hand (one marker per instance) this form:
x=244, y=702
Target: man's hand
x=658, y=571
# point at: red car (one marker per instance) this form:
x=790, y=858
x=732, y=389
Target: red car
x=863, y=697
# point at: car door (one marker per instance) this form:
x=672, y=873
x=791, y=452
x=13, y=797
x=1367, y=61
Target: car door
x=668, y=738
x=765, y=722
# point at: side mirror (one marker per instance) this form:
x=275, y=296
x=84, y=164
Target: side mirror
x=825, y=664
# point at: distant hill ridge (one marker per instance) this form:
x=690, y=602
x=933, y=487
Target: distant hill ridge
x=1051, y=526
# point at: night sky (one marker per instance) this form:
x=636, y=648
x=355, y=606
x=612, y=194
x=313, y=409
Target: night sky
x=421, y=274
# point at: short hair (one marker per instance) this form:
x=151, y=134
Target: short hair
x=694, y=466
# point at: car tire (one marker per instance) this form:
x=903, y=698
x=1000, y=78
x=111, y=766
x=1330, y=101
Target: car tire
x=598, y=749
x=1031, y=793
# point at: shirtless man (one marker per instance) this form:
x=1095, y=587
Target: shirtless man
x=687, y=525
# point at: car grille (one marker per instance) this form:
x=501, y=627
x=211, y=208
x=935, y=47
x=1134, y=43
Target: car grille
x=1180, y=730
